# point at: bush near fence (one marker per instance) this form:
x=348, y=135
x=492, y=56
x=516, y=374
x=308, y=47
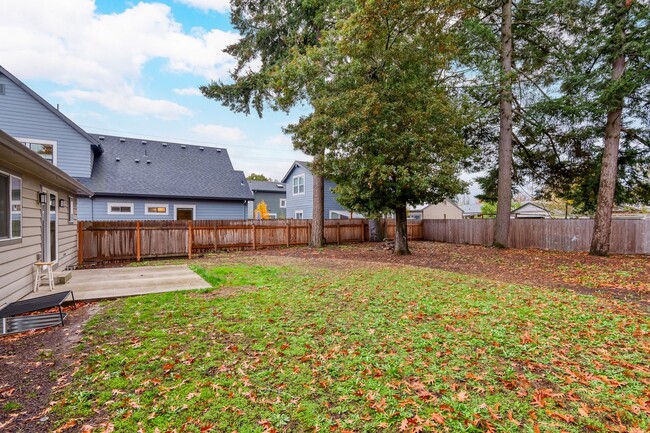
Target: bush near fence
x=134, y=240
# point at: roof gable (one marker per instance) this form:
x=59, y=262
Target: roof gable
x=132, y=166
x=296, y=164
x=96, y=145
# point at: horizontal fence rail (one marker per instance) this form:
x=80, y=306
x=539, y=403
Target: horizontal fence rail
x=628, y=236
x=135, y=240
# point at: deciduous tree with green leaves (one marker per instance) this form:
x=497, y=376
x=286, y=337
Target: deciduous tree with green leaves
x=384, y=106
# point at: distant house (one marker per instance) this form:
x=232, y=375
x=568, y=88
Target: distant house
x=531, y=211
x=146, y=179
x=300, y=194
x=274, y=194
x=472, y=210
x=446, y=209
x=37, y=217
x=134, y=178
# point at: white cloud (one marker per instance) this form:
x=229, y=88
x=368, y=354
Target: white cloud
x=127, y=102
x=279, y=140
x=69, y=43
x=188, y=91
x=205, y=5
x=218, y=133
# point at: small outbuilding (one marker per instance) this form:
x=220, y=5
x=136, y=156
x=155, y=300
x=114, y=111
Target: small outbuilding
x=531, y=211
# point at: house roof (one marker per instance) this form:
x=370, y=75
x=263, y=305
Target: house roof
x=18, y=156
x=531, y=209
x=303, y=164
x=136, y=167
x=257, y=185
x=96, y=144
x=472, y=209
x=422, y=207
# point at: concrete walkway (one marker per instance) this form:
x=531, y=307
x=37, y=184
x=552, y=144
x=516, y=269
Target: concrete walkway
x=106, y=283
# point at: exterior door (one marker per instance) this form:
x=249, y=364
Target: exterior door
x=50, y=229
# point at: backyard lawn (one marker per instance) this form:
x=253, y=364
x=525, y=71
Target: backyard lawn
x=359, y=348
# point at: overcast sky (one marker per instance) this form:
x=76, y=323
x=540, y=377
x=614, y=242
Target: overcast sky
x=133, y=69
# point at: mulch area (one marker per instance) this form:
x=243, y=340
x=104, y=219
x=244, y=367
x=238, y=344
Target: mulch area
x=33, y=366
x=622, y=277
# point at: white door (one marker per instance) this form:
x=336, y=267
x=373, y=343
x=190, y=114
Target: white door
x=50, y=228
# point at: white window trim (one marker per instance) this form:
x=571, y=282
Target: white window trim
x=71, y=204
x=283, y=203
x=148, y=205
x=293, y=186
x=56, y=222
x=39, y=141
x=273, y=216
x=11, y=211
x=302, y=214
x=185, y=206
x=111, y=204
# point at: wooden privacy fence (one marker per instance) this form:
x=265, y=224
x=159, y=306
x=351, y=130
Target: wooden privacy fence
x=129, y=240
x=628, y=236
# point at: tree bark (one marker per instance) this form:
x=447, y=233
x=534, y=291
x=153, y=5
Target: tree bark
x=504, y=186
x=608, y=172
x=317, y=219
x=376, y=230
x=401, y=239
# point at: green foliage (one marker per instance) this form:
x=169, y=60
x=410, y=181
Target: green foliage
x=260, y=177
x=384, y=109
x=366, y=350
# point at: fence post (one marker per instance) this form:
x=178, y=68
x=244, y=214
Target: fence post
x=309, y=232
x=363, y=231
x=189, y=239
x=137, y=240
x=254, y=240
x=338, y=233
x=216, y=236
x=288, y=232
x=80, y=243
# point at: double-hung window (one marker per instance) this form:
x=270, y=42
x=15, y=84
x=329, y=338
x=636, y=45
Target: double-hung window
x=10, y=206
x=299, y=184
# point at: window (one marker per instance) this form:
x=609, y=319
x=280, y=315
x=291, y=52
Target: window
x=120, y=208
x=299, y=184
x=10, y=206
x=70, y=209
x=45, y=148
x=299, y=214
x=273, y=216
x=283, y=203
x=185, y=212
x=156, y=209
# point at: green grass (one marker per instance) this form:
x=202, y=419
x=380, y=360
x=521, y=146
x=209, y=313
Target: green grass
x=11, y=406
x=363, y=350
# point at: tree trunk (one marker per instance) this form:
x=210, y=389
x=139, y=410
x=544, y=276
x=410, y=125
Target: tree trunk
x=317, y=219
x=401, y=240
x=504, y=186
x=608, y=172
x=376, y=230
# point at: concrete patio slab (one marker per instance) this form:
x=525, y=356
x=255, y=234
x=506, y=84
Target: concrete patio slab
x=107, y=283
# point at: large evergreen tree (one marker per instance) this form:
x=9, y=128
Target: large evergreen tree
x=385, y=111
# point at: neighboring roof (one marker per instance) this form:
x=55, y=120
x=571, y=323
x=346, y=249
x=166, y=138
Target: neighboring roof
x=15, y=154
x=257, y=185
x=422, y=207
x=49, y=106
x=471, y=209
x=531, y=209
x=303, y=164
x=165, y=169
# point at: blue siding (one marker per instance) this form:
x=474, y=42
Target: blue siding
x=305, y=202
x=24, y=117
x=272, y=200
x=96, y=209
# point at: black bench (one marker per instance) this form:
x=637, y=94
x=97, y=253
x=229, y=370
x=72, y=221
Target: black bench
x=35, y=304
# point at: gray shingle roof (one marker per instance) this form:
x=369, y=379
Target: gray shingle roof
x=257, y=185
x=165, y=169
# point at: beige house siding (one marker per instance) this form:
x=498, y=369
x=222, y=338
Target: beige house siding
x=17, y=257
x=444, y=210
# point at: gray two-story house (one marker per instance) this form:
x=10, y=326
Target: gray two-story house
x=131, y=178
x=299, y=183
x=273, y=194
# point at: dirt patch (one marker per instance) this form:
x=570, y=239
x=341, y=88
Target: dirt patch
x=620, y=277
x=34, y=365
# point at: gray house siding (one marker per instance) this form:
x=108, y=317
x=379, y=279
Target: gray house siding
x=305, y=202
x=21, y=116
x=272, y=200
x=96, y=209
